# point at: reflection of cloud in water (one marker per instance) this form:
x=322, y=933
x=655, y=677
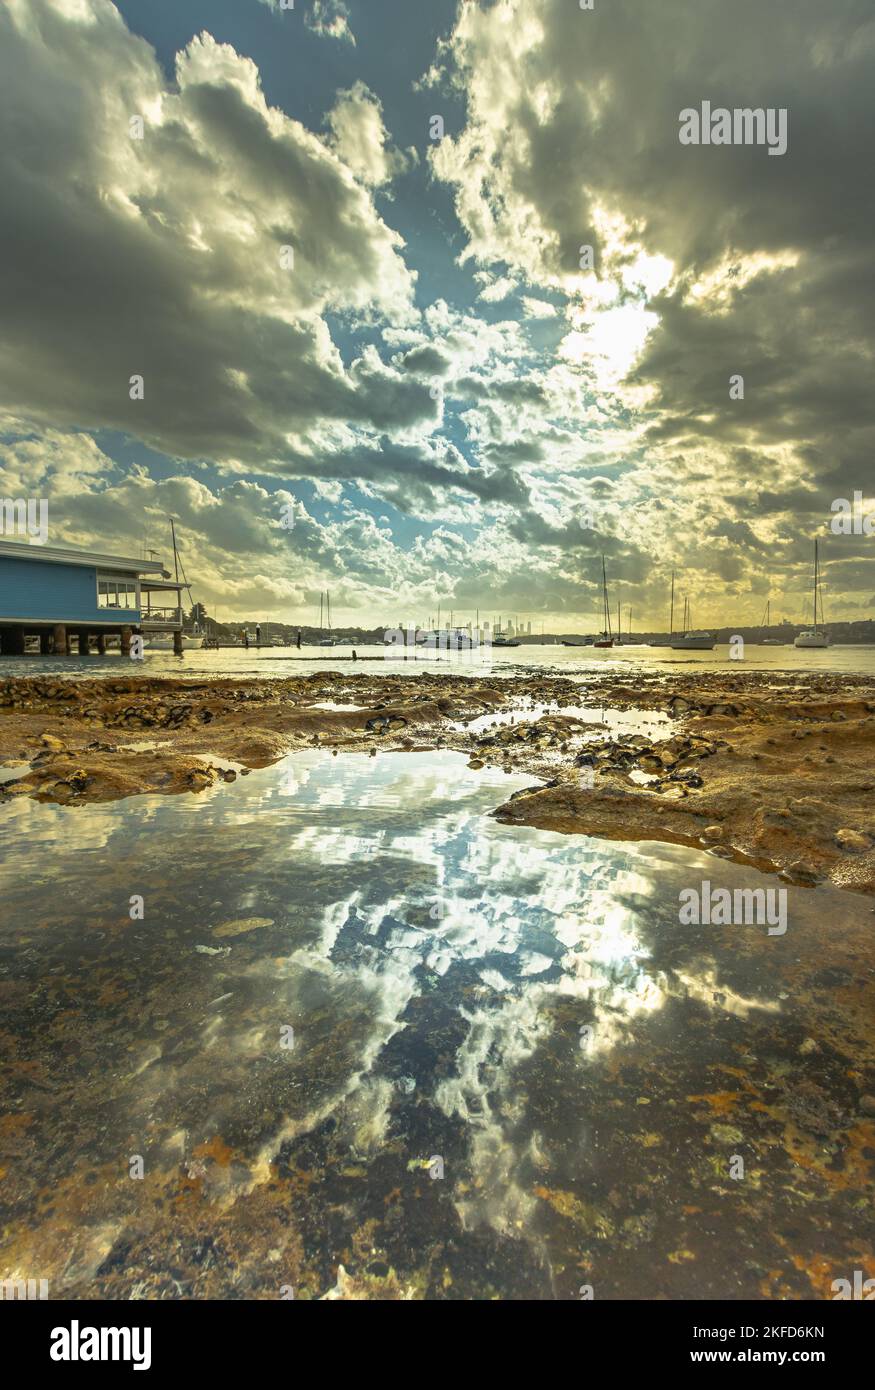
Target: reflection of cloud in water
x=510, y=928
x=544, y=905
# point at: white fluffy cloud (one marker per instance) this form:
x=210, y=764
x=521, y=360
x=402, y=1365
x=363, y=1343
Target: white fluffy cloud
x=360, y=139
x=330, y=19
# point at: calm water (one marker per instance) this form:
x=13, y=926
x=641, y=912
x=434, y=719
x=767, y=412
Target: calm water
x=347, y=1042
x=556, y=660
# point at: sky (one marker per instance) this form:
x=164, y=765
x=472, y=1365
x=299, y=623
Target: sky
x=343, y=245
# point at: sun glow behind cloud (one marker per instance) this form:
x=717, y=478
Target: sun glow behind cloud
x=609, y=344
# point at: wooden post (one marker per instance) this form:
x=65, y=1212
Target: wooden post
x=127, y=634
x=13, y=641
x=101, y=644
x=45, y=645
x=83, y=635
x=62, y=641
x=177, y=643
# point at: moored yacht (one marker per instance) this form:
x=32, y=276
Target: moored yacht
x=814, y=637
x=689, y=641
x=607, y=637
x=693, y=642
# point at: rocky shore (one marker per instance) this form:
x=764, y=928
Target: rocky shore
x=772, y=769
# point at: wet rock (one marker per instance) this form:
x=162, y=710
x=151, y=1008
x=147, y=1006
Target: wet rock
x=687, y=778
x=241, y=925
x=853, y=841
x=800, y=872
x=650, y=764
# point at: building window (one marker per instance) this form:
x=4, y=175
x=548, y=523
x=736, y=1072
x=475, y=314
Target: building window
x=116, y=593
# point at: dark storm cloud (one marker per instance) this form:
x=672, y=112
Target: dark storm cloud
x=414, y=480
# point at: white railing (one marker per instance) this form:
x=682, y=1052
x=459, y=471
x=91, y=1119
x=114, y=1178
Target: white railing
x=151, y=614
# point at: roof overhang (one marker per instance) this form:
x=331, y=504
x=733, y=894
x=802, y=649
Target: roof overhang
x=54, y=555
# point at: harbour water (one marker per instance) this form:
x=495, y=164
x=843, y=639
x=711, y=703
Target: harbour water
x=371, y=660
x=333, y=1031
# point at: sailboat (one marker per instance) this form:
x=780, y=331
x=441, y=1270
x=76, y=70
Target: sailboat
x=770, y=641
x=814, y=637
x=325, y=641
x=502, y=639
x=666, y=641
x=690, y=641
x=606, y=639
x=163, y=641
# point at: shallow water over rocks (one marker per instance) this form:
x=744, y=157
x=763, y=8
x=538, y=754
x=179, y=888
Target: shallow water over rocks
x=367, y=1042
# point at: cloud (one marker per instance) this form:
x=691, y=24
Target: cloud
x=163, y=256
x=327, y=18
x=333, y=374
x=330, y=19
x=360, y=139
x=705, y=262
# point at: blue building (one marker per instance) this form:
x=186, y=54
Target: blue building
x=53, y=594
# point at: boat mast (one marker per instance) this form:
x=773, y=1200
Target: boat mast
x=671, y=611
x=817, y=577
x=607, y=607
x=175, y=556
x=320, y=610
